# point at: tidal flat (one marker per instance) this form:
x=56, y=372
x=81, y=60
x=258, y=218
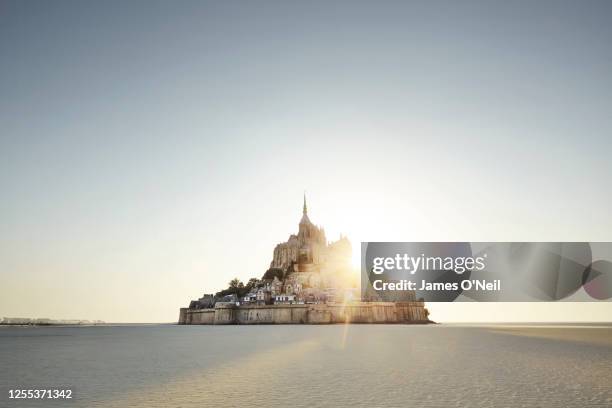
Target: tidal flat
x=312, y=366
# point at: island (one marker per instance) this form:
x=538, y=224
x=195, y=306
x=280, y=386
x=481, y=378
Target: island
x=309, y=281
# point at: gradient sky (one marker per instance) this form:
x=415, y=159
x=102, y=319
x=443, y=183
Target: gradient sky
x=151, y=151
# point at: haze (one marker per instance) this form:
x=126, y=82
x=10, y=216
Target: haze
x=151, y=151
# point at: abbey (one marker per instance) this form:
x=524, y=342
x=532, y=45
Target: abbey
x=310, y=280
x=310, y=267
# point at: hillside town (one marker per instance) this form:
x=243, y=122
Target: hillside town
x=305, y=269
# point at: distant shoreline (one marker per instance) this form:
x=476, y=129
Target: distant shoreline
x=26, y=321
x=83, y=324
x=49, y=324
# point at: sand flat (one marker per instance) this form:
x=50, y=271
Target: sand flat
x=357, y=366
x=597, y=335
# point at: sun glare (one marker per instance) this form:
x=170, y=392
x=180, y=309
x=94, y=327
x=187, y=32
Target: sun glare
x=356, y=257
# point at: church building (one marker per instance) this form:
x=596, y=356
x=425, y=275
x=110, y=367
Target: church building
x=309, y=266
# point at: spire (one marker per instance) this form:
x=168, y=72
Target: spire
x=305, y=220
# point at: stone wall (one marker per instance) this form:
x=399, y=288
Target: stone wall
x=358, y=312
x=197, y=316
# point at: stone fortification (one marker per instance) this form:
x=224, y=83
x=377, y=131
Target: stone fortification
x=356, y=312
x=309, y=281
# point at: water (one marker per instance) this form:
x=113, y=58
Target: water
x=306, y=366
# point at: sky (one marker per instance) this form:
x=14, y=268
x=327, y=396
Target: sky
x=152, y=151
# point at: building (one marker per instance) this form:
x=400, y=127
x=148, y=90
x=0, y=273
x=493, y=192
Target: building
x=284, y=299
x=310, y=267
x=310, y=281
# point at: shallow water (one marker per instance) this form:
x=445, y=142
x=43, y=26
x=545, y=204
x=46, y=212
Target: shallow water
x=305, y=366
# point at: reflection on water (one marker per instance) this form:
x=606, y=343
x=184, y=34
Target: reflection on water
x=306, y=366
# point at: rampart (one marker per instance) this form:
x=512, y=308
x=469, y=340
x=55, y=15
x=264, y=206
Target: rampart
x=355, y=312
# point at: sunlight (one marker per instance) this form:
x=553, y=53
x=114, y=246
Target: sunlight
x=356, y=256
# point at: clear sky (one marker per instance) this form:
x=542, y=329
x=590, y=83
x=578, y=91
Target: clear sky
x=151, y=151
